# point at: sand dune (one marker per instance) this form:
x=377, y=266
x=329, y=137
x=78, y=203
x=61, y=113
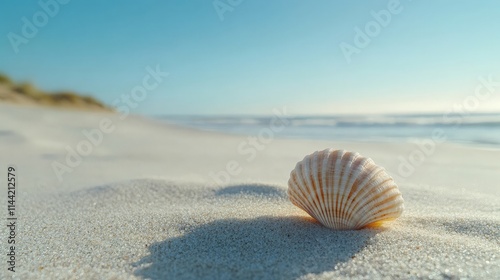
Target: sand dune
x=143, y=205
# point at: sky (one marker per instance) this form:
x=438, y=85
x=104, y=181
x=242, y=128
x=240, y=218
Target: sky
x=250, y=57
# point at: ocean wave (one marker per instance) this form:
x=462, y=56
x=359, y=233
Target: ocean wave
x=481, y=129
x=355, y=121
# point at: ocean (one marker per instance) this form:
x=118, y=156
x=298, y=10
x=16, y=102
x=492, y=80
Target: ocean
x=473, y=129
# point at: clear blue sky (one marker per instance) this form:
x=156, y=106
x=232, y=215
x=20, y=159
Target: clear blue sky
x=264, y=54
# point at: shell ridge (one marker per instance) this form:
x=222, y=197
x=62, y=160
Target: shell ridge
x=297, y=196
x=370, y=202
x=390, y=212
x=298, y=186
x=370, y=172
x=324, y=181
x=327, y=179
x=308, y=185
x=353, y=191
x=304, y=206
x=317, y=186
x=331, y=182
x=337, y=172
x=388, y=197
x=343, y=186
x=377, y=188
x=357, y=162
x=344, y=162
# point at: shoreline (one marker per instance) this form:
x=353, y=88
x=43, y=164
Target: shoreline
x=255, y=128
x=409, y=140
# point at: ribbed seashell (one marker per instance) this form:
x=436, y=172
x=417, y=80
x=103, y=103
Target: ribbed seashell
x=344, y=190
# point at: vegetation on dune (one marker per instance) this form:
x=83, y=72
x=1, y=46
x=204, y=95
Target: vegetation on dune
x=5, y=80
x=26, y=89
x=62, y=98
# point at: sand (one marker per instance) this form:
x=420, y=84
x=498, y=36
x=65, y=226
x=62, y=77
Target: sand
x=143, y=205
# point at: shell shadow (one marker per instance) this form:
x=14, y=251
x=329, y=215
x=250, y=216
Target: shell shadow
x=261, y=248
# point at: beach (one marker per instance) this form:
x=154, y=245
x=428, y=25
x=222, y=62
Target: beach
x=103, y=196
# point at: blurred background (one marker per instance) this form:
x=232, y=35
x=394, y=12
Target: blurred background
x=382, y=70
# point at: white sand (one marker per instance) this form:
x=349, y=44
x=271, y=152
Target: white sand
x=142, y=205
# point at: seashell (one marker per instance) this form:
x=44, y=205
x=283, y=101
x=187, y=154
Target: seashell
x=344, y=190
